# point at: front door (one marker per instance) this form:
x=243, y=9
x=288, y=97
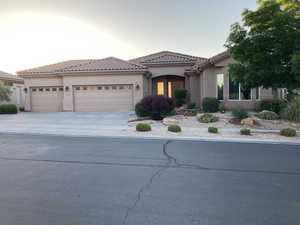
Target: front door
x=167, y=85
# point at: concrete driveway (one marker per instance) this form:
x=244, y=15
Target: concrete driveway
x=67, y=123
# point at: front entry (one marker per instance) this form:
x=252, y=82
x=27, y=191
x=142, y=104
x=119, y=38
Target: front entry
x=166, y=85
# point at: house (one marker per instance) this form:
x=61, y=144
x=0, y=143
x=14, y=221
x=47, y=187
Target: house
x=113, y=84
x=16, y=85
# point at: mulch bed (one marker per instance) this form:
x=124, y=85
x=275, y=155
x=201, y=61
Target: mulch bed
x=186, y=112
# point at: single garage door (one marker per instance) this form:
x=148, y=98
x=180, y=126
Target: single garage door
x=47, y=99
x=103, y=98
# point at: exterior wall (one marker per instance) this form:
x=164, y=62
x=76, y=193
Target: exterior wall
x=208, y=87
x=195, y=95
x=71, y=80
x=168, y=70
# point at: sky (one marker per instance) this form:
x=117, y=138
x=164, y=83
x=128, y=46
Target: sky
x=40, y=32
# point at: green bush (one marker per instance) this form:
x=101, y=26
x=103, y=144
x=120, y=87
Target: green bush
x=213, y=130
x=274, y=105
x=143, y=127
x=191, y=105
x=239, y=112
x=140, y=110
x=245, y=131
x=222, y=108
x=208, y=118
x=267, y=115
x=174, y=128
x=180, y=96
x=292, y=111
x=8, y=109
x=288, y=132
x=210, y=105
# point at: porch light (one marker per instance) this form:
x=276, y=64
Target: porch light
x=137, y=87
x=67, y=88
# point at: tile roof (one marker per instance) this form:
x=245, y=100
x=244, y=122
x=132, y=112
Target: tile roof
x=211, y=61
x=110, y=64
x=167, y=57
x=8, y=76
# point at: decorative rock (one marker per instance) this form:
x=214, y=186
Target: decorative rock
x=247, y=122
x=170, y=121
x=198, y=116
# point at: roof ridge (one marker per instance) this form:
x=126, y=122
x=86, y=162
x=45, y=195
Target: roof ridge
x=126, y=61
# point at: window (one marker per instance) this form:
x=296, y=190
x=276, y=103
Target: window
x=34, y=89
x=121, y=87
x=61, y=89
x=41, y=89
x=114, y=87
x=160, y=88
x=54, y=89
x=99, y=88
x=106, y=87
x=237, y=92
x=47, y=89
x=84, y=88
x=77, y=88
x=220, y=86
x=170, y=89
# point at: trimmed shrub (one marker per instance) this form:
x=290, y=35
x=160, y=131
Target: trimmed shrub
x=143, y=127
x=210, y=105
x=245, y=131
x=239, y=112
x=208, y=118
x=180, y=96
x=174, y=128
x=292, y=111
x=274, y=105
x=267, y=115
x=157, y=107
x=213, y=130
x=8, y=109
x=191, y=105
x=222, y=108
x=288, y=132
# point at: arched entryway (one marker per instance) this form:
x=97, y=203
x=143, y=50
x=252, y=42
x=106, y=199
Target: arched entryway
x=166, y=85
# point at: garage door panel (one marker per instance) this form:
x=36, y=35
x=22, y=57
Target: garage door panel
x=48, y=99
x=103, y=98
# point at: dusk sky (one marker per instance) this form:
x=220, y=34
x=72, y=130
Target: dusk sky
x=38, y=32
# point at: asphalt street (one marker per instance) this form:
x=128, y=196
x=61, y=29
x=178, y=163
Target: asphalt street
x=56, y=180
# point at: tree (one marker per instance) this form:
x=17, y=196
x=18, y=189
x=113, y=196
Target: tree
x=266, y=48
x=5, y=92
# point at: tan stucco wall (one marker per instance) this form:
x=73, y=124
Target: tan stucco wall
x=168, y=70
x=71, y=80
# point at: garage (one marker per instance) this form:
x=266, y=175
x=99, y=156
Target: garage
x=47, y=99
x=103, y=98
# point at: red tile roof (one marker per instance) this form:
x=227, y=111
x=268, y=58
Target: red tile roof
x=109, y=64
x=167, y=57
x=211, y=61
x=8, y=76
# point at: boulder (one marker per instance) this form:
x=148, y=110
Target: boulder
x=170, y=121
x=247, y=122
x=199, y=115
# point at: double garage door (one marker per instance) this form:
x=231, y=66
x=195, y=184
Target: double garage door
x=98, y=98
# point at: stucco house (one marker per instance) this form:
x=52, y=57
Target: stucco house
x=113, y=84
x=16, y=85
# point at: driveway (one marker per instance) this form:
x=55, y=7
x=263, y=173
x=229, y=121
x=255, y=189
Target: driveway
x=54, y=180
x=67, y=123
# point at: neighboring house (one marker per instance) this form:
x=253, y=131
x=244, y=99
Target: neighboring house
x=16, y=85
x=113, y=84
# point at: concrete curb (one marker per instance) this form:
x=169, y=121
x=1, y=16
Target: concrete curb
x=181, y=138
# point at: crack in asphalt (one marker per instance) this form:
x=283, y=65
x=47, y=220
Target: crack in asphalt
x=171, y=160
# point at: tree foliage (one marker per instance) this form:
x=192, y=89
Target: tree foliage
x=266, y=48
x=5, y=92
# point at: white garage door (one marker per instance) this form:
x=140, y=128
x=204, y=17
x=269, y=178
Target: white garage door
x=47, y=99
x=103, y=98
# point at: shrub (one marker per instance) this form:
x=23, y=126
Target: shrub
x=8, y=109
x=180, y=96
x=267, y=115
x=292, y=111
x=274, y=105
x=143, y=127
x=191, y=105
x=288, y=132
x=157, y=107
x=245, y=131
x=210, y=105
x=239, y=112
x=213, y=130
x=174, y=128
x=222, y=108
x=21, y=109
x=208, y=118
